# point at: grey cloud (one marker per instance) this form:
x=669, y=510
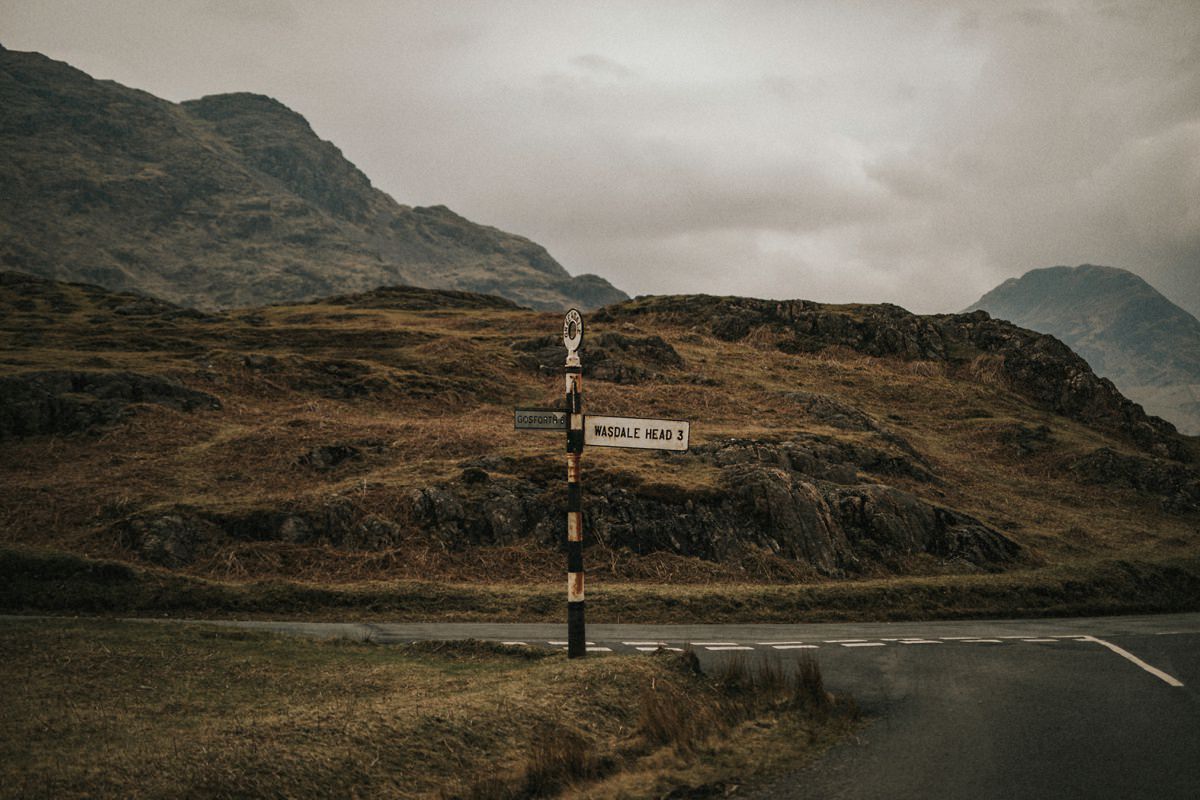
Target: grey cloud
x=598, y=64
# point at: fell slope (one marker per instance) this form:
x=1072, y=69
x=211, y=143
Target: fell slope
x=369, y=436
x=1126, y=331
x=230, y=200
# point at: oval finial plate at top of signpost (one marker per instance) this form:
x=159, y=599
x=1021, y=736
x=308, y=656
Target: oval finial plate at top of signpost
x=573, y=330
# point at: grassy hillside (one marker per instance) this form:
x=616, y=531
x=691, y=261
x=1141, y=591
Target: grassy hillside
x=363, y=446
x=229, y=200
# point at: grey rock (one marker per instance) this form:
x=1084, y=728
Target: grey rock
x=1176, y=486
x=327, y=456
x=372, y=533
x=36, y=403
x=170, y=540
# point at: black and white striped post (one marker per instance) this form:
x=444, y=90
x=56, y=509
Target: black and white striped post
x=572, y=338
x=639, y=433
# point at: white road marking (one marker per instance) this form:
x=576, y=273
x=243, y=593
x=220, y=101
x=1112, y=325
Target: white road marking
x=843, y=641
x=714, y=644
x=589, y=644
x=958, y=638
x=982, y=641
x=1155, y=671
x=643, y=644
x=918, y=641
x=794, y=646
x=729, y=647
x=798, y=641
x=599, y=649
x=1051, y=641
x=512, y=644
x=862, y=644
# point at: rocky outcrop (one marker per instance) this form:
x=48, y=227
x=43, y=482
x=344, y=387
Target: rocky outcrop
x=804, y=500
x=843, y=416
x=819, y=457
x=178, y=537
x=66, y=402
x=800, y=500
x=610, y=356
x=1046, y=371
x=1177, y=487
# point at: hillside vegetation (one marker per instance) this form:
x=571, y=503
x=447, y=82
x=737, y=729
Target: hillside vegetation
x=97, y=708
x=369, y=438
x=229, y=200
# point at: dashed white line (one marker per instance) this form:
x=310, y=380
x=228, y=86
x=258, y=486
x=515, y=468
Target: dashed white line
x=862, y=644
x=958, y=638
x=645, y=649
x=918, y=641
x=773, y=644
x=981, y=641
x=794, y=646
x=1155, y=671
x=599, y=649
x=514, y=644
x=1049, y=641
x=843, y=641
x=728, y=647
x=643, y=644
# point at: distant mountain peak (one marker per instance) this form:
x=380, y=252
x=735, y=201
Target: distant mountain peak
x=1125, y=329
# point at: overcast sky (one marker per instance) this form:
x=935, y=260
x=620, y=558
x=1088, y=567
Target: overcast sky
x=911, y=152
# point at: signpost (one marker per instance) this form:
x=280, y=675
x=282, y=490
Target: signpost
x=633, y=432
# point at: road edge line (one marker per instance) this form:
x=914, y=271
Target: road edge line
x=1155, y=671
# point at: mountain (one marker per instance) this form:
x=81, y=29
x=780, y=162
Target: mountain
x=229, y=200
x=1128, y=332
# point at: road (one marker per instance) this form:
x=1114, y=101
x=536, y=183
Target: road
x=1070, y=708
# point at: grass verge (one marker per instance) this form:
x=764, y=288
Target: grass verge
x=37, y=581
x=101, y=708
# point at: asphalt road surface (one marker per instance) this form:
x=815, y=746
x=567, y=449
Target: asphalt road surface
x=1071, y=708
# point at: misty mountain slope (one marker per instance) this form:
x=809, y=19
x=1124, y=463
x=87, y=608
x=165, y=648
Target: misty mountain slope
x=1128, y=332
x=229, y=200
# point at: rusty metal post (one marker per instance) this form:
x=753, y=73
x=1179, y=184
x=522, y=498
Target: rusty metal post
x=572, y=338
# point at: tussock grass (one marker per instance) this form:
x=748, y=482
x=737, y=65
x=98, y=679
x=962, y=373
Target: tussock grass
x=122, y=709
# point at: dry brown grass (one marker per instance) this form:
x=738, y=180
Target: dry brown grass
x=109, y=709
